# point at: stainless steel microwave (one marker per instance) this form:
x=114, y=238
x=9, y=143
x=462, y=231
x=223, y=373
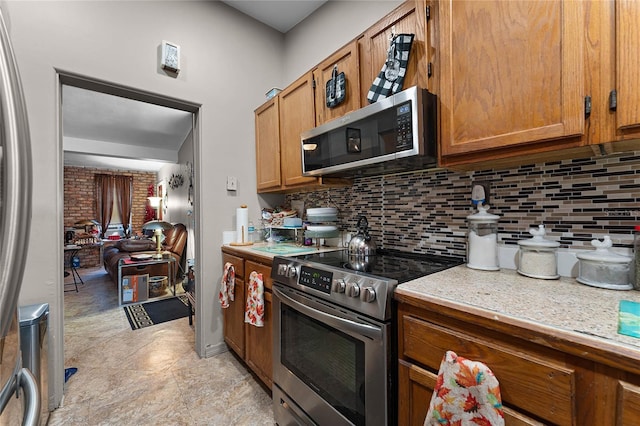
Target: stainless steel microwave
x=393, y=135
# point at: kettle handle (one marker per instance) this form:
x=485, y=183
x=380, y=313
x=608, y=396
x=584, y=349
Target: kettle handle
x=363, y=224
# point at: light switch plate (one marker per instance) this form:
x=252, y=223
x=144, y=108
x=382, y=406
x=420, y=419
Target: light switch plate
x=232, y=183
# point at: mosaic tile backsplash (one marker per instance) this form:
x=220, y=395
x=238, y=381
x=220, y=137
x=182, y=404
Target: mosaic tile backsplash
x=425, y=212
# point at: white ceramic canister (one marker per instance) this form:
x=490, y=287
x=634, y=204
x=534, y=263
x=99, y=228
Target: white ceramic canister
x=538, y=257
x=604, y=268
x=482, y=240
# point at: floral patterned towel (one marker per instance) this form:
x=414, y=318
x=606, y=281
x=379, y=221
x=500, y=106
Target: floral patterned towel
x=466, y=393
x=254, y=312
x=227, y=285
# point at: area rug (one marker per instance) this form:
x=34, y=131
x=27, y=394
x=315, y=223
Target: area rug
x=151, y=313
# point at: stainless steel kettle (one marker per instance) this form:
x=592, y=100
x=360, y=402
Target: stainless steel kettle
x=361, y=244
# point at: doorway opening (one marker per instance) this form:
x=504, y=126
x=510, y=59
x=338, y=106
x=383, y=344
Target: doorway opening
x=110, y=129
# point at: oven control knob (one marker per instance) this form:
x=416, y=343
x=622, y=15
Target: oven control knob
x=353, y=290
x=291, y=272
x=338, y=286
x=368, y=295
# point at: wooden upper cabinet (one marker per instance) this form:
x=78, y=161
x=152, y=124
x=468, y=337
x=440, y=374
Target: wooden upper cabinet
x=347, y=61
x=268, y=145
x=511, y=73
x=628, y=64
x=408, y=18
x=297, y=114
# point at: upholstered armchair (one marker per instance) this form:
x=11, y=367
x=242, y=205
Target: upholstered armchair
x=174, y=243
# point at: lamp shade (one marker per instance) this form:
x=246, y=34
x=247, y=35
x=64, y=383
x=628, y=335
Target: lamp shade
x=152, y=225
x=158, y=227
x=154, y=201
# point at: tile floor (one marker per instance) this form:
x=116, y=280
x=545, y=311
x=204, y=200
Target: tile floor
x=150, y=376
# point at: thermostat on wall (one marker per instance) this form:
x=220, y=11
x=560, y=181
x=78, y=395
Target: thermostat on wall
x=170, y=56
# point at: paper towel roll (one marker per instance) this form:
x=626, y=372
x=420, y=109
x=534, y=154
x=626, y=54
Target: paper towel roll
x=242, y=224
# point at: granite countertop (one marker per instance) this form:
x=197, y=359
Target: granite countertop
x=563, y=308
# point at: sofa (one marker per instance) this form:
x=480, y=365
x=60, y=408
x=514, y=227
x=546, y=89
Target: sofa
x=173, y=245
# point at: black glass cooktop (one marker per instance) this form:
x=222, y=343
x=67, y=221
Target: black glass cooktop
x=390, y=264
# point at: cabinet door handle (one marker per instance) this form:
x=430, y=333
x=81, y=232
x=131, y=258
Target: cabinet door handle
x=613, y=100
x=587, y=106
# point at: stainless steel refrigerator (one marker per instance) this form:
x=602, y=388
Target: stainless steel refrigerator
x=19, y=398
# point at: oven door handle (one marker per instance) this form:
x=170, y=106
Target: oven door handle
x=343, y=324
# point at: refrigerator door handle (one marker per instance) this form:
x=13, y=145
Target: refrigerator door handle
x=24, y=380
x=31, y=398
x=15, y=155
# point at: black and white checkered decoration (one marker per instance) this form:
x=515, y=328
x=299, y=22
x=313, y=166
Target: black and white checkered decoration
x=383, y=87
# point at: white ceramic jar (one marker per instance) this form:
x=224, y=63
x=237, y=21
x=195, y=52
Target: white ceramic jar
x=603, y=268
x=537, y=257
x=482, y=240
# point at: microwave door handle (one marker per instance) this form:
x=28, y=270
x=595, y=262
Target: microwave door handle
x=374, y=333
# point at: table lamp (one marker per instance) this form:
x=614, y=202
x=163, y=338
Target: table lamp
x=158, y=227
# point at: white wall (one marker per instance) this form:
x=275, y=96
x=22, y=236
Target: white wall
x=228, y=63
x=177, y=207
x=329, y=28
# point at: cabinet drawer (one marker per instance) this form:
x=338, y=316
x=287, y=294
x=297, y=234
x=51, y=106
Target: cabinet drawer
x=416, y=389
x=237, y=262
x=531, y=383
x=261, y=269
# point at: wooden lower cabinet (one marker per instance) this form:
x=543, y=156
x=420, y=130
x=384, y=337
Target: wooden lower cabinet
x=252, y=344
x=233, y=316
x=539, y=385
x=259, y=345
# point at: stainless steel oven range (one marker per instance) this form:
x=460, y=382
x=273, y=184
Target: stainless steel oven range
x=333, y=335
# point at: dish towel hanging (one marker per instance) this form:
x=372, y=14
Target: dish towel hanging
x=466, y=392
x=254, y=311
x=391, y=77
x=227, y=285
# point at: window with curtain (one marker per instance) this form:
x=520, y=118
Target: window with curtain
x=114, y=197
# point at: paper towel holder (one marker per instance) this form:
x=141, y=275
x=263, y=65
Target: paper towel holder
x=242, y=242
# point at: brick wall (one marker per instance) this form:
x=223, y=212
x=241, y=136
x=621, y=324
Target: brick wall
x=80, y=201
x=425, y=212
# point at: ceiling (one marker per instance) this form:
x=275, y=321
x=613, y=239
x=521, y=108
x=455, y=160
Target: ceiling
x=107, y=131
x=281, y=15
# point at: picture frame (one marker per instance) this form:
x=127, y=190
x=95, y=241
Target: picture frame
x=170, y=59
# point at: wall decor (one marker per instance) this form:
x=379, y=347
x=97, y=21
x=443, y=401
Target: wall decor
x=176, y=181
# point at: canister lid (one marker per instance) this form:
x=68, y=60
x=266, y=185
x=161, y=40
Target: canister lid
x=538, y=239
x=602, y=253
x=483, y=215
